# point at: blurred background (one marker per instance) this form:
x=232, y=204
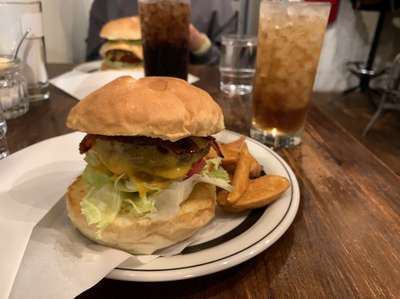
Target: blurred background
x=348, y=37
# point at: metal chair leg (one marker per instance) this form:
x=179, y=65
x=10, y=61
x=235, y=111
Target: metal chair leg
x=350, y=90
x=376, y=115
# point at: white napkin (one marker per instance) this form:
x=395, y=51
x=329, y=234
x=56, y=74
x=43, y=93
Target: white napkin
x=60, y=263
x=79, y=84
x=22, y=207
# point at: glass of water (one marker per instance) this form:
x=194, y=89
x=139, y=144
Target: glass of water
x=3, y=130
x=238, y=55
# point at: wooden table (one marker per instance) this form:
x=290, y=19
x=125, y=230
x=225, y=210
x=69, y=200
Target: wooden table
x=344, y=242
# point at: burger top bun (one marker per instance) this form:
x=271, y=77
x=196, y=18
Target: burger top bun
x=158, y=107
x=122, y=29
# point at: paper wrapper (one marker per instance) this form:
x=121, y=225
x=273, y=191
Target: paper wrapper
x=41, y=253
x=61, y=263
x=23, y=204
x=79, y=84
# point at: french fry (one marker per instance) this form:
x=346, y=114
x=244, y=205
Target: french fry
x=255, y=168
x=230, y=160
x=234, y=146
x=260, y=192
x=240, y=179
x=231, y=156
x=222, y=197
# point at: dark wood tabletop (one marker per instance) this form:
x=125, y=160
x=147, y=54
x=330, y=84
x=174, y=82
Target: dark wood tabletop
x=345, y=239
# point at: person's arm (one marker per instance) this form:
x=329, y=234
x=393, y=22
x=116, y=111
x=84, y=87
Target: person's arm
x=202, y=51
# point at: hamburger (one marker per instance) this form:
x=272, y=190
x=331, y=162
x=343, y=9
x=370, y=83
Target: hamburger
x=150, y=180
x=123, y=48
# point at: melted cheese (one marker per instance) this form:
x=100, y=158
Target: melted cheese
x=173, y=172
x=144, y=186
x=146, y=176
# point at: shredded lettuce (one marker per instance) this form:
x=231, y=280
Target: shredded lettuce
x=95, y=178
x=221, y=183
x=119, y=64
x=123, y=184
x=127, y=41
x=108, y=195
x=214, y=174
x=137, y=206
x=91, y=158
x=101, y=206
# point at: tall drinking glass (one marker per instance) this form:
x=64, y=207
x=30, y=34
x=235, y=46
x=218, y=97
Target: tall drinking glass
x=290, y=37
x=165, y=36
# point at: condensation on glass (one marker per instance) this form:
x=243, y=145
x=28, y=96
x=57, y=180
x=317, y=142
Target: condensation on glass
x=290, y=38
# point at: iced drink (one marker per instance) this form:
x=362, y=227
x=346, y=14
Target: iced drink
x=290, y=37
x=165, y=36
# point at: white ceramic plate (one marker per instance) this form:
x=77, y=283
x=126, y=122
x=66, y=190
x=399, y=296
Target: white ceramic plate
x=88, y=67
x=94, y=66
x=232, y=241
x=259, y=230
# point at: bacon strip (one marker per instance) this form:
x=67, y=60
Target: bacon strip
x=216, y=147
x=196, y=167
x=180, y=147
x=87, y=143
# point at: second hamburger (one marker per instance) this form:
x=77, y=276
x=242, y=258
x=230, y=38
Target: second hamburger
x=123, y=48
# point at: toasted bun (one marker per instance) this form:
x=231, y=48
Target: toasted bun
x=137, y=50
x=123, y=28
x=143, y=235
x=158, y=107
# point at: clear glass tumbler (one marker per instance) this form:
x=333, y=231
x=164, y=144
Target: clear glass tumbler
x=13, y=88
x=238, y=56
x=290, y=38
x=19, y=17
x=165, y=37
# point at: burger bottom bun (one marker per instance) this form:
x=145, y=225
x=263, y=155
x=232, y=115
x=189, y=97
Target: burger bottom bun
x=144, y=235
